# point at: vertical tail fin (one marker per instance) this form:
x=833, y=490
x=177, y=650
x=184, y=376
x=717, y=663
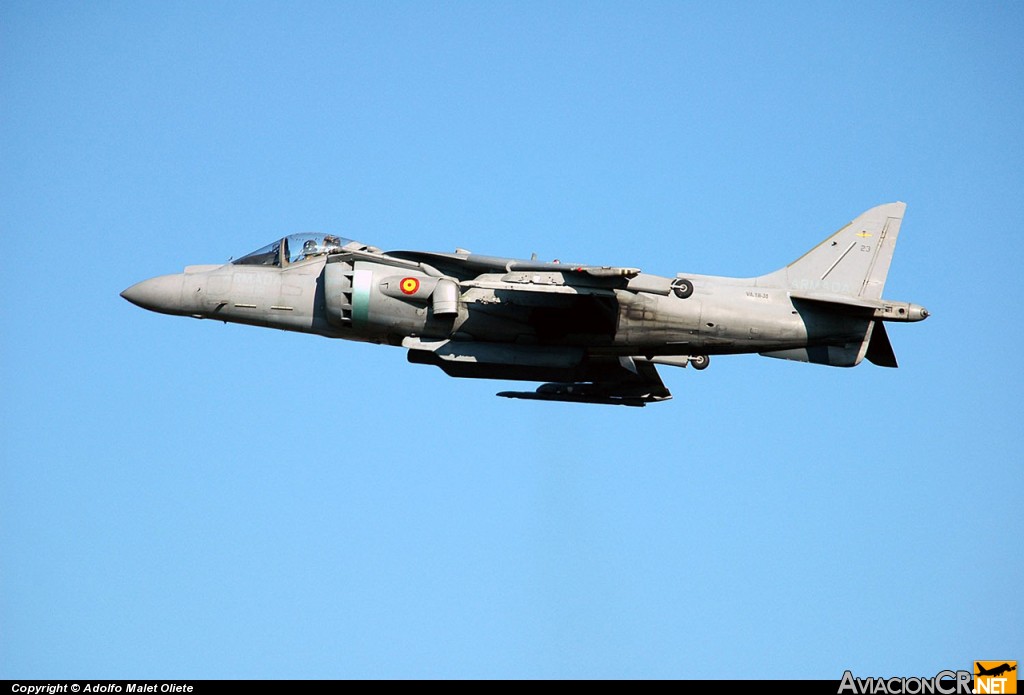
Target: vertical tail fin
x=854, y=261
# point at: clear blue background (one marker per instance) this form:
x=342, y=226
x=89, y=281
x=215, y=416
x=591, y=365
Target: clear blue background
x=182, y=498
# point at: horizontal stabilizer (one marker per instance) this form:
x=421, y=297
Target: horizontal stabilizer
x=863, y=308
x=854, y=306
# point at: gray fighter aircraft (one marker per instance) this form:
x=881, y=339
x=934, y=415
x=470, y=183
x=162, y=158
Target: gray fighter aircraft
x=594, y=333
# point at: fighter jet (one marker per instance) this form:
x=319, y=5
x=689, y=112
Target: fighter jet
x=593, y=333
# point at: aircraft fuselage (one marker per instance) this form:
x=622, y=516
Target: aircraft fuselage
x=596, y=331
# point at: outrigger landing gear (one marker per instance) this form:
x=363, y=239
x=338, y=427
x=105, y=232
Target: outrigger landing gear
x=700, y=362
x=682, y=287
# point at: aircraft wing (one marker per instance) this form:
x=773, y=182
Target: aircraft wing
x=468, y=265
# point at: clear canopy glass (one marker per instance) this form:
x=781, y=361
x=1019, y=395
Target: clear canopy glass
x=268, y=255
x=303, y=246
x=296, y=248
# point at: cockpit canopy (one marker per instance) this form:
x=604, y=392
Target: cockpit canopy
x=296, y=248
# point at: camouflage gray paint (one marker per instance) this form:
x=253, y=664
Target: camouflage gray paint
x=594, y=332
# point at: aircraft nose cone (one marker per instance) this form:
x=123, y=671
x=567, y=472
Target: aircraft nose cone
x=162, y=294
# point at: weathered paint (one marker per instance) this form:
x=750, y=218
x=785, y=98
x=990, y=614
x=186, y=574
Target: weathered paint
x=597, y=332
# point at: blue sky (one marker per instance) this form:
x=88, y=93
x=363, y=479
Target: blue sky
x=182, y=498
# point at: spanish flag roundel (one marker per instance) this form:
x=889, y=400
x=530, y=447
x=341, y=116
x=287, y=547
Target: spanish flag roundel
x=410, y=285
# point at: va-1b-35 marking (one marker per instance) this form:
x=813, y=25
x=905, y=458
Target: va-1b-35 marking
x=594, y=333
